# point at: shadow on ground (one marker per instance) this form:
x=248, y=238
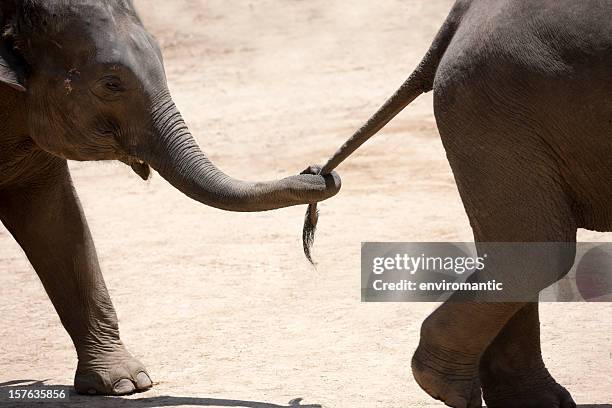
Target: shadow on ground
x=144, y=402
x=148, y=402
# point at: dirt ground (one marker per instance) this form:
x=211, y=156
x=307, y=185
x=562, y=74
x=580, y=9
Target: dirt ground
x=222, y=307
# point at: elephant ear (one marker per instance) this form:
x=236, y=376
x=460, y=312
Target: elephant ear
x=11, y=69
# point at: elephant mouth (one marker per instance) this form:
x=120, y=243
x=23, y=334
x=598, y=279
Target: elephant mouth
x=138, y=166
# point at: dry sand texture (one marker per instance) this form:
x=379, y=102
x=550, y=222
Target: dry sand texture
x=222, y=307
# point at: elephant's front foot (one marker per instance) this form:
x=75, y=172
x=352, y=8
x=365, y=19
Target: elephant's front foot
x=448, y=376
x=110, y=371
x=538, y=390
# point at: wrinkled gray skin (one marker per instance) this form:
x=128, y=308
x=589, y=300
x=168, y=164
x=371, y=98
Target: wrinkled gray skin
x=83, y=80
x=522, y=99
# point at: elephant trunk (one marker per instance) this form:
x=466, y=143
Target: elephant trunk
x=175, y=155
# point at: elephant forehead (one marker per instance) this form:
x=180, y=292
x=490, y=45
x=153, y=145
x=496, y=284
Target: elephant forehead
x=131, y=48
x=129, y=45
x=87, y=33
x=51, y=18
x=82, y=8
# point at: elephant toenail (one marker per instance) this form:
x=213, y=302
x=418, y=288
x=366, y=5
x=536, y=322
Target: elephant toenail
x=143, y=381
x=91, y=391
x=123, y=386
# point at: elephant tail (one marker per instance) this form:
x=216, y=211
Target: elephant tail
x=419, y=82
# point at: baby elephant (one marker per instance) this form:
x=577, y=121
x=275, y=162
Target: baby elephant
x=83, y=80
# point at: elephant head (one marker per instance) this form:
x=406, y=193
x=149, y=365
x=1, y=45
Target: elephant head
x=94, y=87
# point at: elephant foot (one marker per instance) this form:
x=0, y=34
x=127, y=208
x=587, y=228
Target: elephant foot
x=110, y=372
x=535, y=391
x=448, y=376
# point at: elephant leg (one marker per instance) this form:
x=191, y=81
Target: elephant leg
x=512, y=370
x=46, y=219
x=530, y=208
x=457, y=335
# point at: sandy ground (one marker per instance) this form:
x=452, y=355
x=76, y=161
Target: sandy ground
x=222, y=307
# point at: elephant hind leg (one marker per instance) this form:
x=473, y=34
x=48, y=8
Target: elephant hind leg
x=506, y=202
x=512, y=371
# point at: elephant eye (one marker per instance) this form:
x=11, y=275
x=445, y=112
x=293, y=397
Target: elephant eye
x=109, y=87
x=113, y=83
x=113, y=86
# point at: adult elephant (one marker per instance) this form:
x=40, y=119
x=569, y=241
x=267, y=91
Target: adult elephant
x=522, y=100
x=83, y=80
